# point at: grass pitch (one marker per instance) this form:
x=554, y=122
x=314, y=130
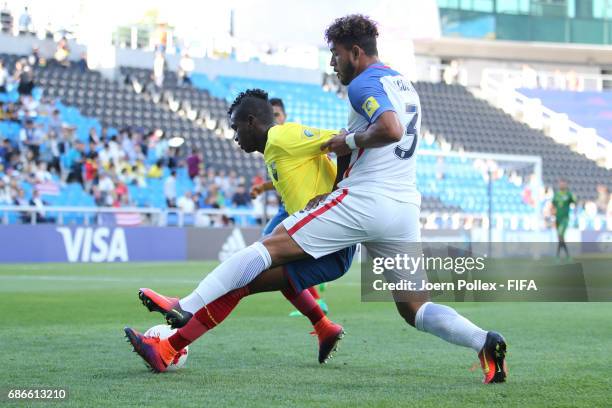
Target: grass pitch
x=62, y=326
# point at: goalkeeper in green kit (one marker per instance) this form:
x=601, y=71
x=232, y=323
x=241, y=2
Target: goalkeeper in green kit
x=562, y=200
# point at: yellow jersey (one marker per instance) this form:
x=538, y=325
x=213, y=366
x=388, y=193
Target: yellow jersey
x=297, y=167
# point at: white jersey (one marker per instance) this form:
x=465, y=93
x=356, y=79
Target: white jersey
x=389, y=170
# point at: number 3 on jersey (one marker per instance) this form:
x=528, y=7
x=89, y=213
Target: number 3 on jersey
x=411, y=130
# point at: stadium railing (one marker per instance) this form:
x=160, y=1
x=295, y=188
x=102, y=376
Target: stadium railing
x=126, y=216
x=133, y=216
x=499, y=88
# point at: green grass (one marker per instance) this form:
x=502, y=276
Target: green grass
x=61, y=326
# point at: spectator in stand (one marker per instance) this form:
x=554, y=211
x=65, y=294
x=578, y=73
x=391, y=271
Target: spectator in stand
x=214, y=198
x=93, y=136
x=120, y=188
x=139, y=173
x=30, y=137
x=11, y=113
x=25, y=22
x=5, y=152
x=603, y=197
x=259, y=178
x=98, y=196
x=221, y=180
x=81, y=64
x=75, y=159
x=199, y=182
x=26, y=82
x=127, y=145
x=62, y=53
x=34, y=59
x=106, y=188
x=15, y=162
x=104, y=133
x=6, y=20
x=158, y=142
x=45, y=108
x=161, y=38
x=125, y=201
x=186, y=203
x=159, y=64
x=91, y=170
x=241, y=197
x=186, y=67
x=40, y=204
x=211, y=175
x=138, y=153
x=115, y=151
x=51, y=152
x=157, y=170
x=29, y=107
x=172, y=158
x=451, y=73
x=55, y=123
x=170, y=190
x=42, y=174
x=194, y=161
x=5, y=193
x=105, y=156
x=4, y=77
x=21, y=201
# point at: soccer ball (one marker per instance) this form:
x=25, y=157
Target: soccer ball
x=164, y=331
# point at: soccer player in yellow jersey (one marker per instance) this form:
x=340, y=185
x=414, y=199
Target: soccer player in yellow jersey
x=300, y=172
x=280, y=117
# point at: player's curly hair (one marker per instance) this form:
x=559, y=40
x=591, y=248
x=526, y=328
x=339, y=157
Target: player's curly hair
x=252, y=102
x=354, y=29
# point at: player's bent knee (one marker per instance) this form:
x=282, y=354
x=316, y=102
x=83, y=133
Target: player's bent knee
x=408, y=311
x=282, y=247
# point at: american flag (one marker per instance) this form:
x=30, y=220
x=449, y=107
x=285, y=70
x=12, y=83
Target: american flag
x=128, y=219
x=48, y=188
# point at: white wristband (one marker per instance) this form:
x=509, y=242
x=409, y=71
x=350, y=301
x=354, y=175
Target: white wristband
x=350, y=141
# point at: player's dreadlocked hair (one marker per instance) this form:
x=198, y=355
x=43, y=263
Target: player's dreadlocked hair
x=354, y=29
x=252, y=102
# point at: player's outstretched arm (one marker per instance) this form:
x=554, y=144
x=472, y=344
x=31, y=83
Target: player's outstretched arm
x=386, y=130
x=258, y=189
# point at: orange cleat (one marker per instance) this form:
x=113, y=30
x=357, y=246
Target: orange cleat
x=156, y=353
x=329, y=334
x=168, y=306
x=493, y=359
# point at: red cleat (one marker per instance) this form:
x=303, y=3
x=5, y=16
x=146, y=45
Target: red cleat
x=168, y=306
x=493, y=359
x=151, y=349
x=329, y=334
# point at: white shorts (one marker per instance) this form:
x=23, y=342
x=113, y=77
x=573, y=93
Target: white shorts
x=356, y=216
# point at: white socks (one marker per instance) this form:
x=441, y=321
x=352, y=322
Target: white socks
x=236, y=272
x=444, y=322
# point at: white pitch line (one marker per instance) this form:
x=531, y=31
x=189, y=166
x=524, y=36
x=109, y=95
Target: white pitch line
x=61, y=278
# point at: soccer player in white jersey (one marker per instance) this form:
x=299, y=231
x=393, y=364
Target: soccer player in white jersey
x=376, y=204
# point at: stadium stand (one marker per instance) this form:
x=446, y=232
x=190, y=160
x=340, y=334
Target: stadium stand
x=453, y=113
x=588, y=109
x=197, y=112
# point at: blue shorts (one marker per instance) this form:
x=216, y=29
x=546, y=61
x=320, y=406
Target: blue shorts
x=277, y=219
x=309, y=272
